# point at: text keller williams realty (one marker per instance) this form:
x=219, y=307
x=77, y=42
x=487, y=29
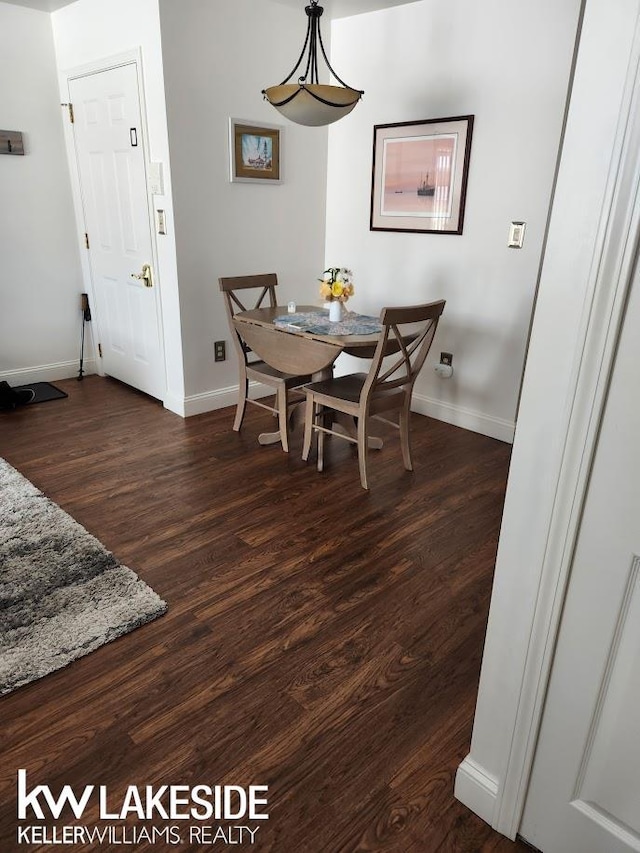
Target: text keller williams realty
x=168, y=802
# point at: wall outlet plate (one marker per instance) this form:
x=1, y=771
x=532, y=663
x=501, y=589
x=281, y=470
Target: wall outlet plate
x=219, y=351
x=11, y=142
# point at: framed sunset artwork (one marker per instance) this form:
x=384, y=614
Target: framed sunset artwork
x=420, y=171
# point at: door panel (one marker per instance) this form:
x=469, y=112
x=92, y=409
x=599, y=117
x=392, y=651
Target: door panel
x=584, y=795
x=110, y=155
x=613, y=747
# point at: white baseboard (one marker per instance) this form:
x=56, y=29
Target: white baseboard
x=197, y=404
x=468, y=419
x=48, y=372
x=476, y=789
x=208, y=401
x=174, y=404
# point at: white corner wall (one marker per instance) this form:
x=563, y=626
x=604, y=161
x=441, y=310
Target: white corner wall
x=582, y=258
x=218, y=56
x=89, y=31
x=40, y=276
x=508, y=64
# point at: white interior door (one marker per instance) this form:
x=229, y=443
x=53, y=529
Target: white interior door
x=111, y=163
x=584, y=795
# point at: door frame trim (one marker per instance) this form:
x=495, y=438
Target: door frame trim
x=128, y=57
x=537, y=540
x=611, y=275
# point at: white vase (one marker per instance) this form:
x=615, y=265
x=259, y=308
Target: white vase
x=335, y=311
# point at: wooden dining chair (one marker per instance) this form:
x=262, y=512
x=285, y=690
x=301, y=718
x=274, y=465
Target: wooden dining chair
x=405, y=340
x=243, y=293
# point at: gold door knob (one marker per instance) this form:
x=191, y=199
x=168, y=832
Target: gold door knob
x=146, y=276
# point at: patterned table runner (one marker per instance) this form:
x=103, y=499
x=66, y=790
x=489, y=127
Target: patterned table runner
x=318, y=323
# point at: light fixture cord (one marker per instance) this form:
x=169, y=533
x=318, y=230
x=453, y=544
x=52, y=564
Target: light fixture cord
x=313, y=52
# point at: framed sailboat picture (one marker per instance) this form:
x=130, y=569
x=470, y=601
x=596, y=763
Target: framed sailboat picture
x=255, y=152
x=420, y=171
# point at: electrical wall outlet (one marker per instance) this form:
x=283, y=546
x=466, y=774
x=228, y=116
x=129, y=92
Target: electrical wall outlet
x=220, y=350
x=446, y=358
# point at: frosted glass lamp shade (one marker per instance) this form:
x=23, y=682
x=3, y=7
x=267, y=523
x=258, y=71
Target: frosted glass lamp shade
x=312, y=104
x=308, y=101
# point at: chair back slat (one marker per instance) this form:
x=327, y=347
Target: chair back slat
x=250, y=287
x=401, y=351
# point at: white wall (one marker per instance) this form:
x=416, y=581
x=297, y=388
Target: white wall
x=88, y=31
x=543, y=501
x=40, y=276
x=218, y=56
x=217, y=59
x=508, y=64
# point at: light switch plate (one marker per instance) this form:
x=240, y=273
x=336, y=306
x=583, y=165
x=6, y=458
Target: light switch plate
x=516, y=235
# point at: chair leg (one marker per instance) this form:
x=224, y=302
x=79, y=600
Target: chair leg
x=283, y=417
x=405, y=439
x=308, y=426
x=243, y=390
x=362, y=450
x=319, y=417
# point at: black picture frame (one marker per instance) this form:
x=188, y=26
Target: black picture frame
x=419, y=175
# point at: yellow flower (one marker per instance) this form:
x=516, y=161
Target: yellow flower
x=336, y=284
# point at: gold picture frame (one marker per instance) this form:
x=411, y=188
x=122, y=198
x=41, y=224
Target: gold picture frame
x=255, y=152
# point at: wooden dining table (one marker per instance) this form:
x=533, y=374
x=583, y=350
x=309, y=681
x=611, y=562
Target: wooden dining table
x=299, y=341
x=294, y=350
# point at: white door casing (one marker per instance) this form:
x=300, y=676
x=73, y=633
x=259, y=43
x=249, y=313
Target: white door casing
x=613, y=269
x=584, y=794
x=573, y=353
x=110, y=153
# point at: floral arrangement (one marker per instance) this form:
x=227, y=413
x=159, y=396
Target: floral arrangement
x=336, y=284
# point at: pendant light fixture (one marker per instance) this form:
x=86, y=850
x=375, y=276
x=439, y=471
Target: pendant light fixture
x=308, y=101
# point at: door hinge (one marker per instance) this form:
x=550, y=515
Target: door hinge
x=86, y=240
x=70, y=108
x=100, y=350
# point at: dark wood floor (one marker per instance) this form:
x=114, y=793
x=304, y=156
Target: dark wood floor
x=320, y=639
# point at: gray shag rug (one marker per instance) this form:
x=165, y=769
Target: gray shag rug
x=62, y=594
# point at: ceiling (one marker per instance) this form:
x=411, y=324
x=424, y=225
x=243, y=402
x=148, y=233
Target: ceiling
x=345, y=8
x=334, y=8
x=42, y=5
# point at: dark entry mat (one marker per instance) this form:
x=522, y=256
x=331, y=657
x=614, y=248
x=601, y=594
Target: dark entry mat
x=36, y=392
